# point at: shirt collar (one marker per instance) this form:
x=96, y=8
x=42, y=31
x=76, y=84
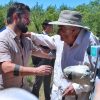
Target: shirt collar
x=79, y=38
x=12, y=33
x=44, y=33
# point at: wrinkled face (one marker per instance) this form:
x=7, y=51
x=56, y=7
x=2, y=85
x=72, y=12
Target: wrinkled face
x=68, y=33
x=23, y=22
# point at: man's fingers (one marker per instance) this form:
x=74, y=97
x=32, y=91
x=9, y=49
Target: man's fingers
x=44, y=70
x=69, y=91
x=48, y=70
x=65, y=91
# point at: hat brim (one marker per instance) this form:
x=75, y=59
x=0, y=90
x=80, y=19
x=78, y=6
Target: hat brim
x=67, y=24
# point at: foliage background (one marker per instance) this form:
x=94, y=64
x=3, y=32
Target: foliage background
x=90, y=12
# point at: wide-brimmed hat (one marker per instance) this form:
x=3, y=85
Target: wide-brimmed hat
x=69, y=18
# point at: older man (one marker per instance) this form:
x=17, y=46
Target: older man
x=71, y=45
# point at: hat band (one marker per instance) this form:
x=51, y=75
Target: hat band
x=69, y=22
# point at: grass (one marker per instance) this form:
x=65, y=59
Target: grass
x=31, y=80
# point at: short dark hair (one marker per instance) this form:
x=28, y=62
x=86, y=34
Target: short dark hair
x=46, y=23
x=18, y=8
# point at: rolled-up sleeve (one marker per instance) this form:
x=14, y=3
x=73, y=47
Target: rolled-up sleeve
x=45, y=40
x=4, y=51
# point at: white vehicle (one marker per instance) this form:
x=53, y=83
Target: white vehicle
x=80, y=74
x=16, y=94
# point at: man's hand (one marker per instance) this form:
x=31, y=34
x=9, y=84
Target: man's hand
x=43, y=70
x=69, y=91
x=27, y=34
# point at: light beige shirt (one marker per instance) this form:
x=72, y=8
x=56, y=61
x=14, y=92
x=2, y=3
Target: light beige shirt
x=11, y=50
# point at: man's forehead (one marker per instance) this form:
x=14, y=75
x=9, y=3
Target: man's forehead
x=67, y=26
x=64, y=26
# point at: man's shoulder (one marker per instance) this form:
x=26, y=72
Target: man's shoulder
x=94, y=39
x=27, y=40
x=4, y=34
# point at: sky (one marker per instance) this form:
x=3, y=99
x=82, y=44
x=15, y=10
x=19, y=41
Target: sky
x=46, y=3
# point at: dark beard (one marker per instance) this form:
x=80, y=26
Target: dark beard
x=22, y=27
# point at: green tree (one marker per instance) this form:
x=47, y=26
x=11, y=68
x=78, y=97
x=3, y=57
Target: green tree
x=51, y=13
x=37, y=14
x=63, y=7
x=1, y=20
x=91, y=15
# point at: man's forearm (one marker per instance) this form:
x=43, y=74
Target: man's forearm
x=42, y=54
x=10, y=68
x=44, y=40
